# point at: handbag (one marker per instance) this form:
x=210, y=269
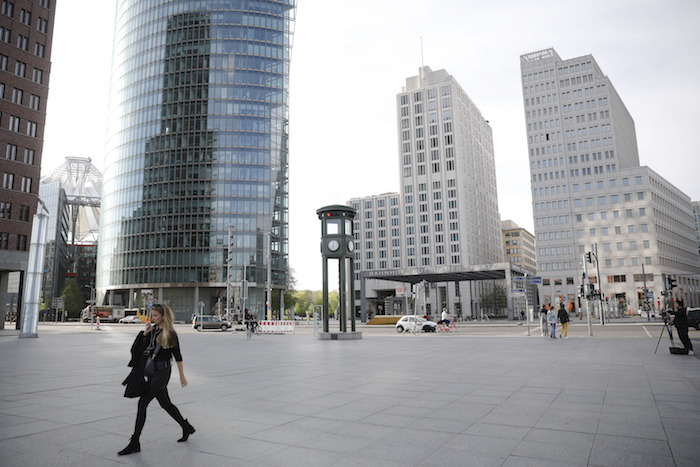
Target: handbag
x=149, y=368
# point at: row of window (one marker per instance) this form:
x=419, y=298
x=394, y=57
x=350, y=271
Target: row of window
x=29, y=128
x=608, y=263
x=8, y=182
x=21, y=244
x=17, y=97
x=11, y=154
x=6, y=212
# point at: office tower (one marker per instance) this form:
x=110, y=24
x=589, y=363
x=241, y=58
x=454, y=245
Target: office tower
x=26, y=32
x=448, y=207
x=588, y=189
x=519, y=246
x=196, y=147
x=448, y=174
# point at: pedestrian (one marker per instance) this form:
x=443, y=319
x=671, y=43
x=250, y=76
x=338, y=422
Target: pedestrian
x=552, y=320
x=160, y=344
x=543, y=320
x=564, y=320
x=680, y=321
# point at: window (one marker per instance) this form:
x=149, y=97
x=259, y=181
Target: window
x=4, y=34
x=11, y=152
x=8, y=181
x=8, y=8
x=37, y=75
x=5, y=210
x=41, y=25
x=20, y=69
x=29, y=156
x=22, y=42
x=26, y=185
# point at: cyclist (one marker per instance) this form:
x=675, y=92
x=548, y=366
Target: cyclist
x=446, y=318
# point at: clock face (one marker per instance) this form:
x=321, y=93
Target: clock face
x=333, y=245
x=351, y=245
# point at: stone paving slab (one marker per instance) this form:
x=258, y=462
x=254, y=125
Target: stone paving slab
x=385, y=400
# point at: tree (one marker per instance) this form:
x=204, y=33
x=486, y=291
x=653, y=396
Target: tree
x=74, y=300
x=495, y=300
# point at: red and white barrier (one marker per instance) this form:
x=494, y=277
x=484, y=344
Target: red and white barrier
x=276, y=327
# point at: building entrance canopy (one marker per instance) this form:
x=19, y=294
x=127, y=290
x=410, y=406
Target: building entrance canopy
x=479, y=272
x=447, y=274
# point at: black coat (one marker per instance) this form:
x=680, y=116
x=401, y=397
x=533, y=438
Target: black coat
x=135, y=382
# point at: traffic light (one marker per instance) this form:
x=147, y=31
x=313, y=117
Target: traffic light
x=589, y=257
x=672, y=283
x=582, y=292
x=591, y=290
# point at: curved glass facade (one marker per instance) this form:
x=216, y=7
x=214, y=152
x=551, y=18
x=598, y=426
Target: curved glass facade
x=197, y=141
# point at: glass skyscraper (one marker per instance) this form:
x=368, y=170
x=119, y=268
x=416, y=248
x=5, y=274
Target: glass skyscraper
x=197, y=142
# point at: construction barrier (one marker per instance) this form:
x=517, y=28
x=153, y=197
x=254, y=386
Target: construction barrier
x=276, y=327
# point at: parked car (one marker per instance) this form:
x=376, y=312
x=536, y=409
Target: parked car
x=133, y=319
x=210, y=322
x=694, y=318
x=413, y=322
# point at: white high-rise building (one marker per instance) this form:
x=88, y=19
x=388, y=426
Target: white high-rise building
x=588, y=189
x=446, y=217
x=448, y=174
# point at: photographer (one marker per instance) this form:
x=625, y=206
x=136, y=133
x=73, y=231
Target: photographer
x=680, y=321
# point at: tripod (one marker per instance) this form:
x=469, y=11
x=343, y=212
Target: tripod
x=667, y=327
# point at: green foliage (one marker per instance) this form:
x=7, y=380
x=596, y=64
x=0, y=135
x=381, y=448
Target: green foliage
x=495, y=300
x=74, y=301
x=307, y=299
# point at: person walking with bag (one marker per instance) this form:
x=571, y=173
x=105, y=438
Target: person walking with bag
x=152, y=352
x=564, y=320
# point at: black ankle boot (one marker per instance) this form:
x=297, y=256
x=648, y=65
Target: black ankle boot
x=187, y=430
x=134, y=446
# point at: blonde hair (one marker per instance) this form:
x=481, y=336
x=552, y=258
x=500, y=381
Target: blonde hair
x=166, y=336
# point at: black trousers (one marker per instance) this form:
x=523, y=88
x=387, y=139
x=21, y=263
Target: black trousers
x=164, y=400
x=683, y=336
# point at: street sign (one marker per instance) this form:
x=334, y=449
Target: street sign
x=534, y=280
x=57, y=302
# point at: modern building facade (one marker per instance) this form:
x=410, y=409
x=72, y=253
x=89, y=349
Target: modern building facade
x=519, y=246
x=588, y=189
x=72, y=194
x=26, y=32
x=696, y=219
x=446, y=215
x=197, y=146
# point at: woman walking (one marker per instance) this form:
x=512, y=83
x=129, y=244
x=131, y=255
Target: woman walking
x=159, y=344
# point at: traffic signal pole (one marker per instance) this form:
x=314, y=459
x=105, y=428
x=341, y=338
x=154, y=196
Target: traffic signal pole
x=588, y=297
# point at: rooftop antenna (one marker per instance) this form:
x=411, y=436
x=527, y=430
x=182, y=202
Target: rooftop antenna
x=422, y=71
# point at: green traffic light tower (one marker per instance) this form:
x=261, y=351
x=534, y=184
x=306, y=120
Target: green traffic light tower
x=338, y=243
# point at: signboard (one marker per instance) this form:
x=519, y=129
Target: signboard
x=534, y=280
x=57, y=302
x=517, y=290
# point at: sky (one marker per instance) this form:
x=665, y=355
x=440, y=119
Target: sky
x=351, y=59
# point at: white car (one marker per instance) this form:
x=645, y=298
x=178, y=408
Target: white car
x=415, y=324
x=133, y=319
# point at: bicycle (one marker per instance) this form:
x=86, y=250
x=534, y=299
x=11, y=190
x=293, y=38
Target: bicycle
x=252, y=327
x=444, y=328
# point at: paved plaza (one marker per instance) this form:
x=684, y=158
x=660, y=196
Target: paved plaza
x=498, y=399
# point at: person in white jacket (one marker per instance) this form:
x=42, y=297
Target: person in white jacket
x=552, y=321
